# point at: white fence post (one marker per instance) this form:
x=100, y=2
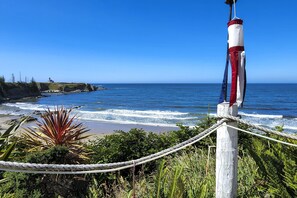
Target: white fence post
x=226, y=154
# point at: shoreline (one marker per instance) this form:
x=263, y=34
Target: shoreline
x=100, y=127
x=96, y=128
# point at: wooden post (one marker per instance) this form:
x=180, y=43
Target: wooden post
x=226, y=154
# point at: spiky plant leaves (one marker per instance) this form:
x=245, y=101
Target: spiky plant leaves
x=159, y=178
x=57, y=128
x=6, y=147
x=5, y=155
x=277, y=165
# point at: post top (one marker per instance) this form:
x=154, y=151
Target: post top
x=224, y=109
x=230, y=2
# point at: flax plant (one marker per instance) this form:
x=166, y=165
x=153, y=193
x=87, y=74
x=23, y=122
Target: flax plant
x=6, y=145
x=57, y=128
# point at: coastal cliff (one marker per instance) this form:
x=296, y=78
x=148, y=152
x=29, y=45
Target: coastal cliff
x=15, y=91
x=66, y=87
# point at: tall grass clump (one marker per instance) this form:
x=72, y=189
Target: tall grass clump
x=189, y=174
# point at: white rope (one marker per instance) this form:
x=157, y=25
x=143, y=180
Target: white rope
x=255, y=126
x=111, y=167
x=97, y=168
x=262, y=136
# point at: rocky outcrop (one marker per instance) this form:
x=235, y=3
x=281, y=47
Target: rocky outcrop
x=14, y=91
x=66, y=87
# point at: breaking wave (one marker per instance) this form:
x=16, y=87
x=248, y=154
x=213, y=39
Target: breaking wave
x=147, y=117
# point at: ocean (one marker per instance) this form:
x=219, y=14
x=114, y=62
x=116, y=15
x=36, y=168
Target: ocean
x=165, y=105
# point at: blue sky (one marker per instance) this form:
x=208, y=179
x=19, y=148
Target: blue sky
x=144, y=40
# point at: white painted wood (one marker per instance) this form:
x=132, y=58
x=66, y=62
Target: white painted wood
x=226, y=154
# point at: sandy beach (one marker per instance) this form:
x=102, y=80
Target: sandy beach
x=108, y=128
x=4, y=119
x=95, y=127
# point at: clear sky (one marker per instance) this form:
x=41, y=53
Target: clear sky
x=144, y=40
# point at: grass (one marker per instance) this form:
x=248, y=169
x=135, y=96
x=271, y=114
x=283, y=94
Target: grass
x=189, y=174
x=265, y=169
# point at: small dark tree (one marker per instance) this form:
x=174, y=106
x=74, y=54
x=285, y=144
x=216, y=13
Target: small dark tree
x=12, y=78
x=2, y=79
x=33, y=80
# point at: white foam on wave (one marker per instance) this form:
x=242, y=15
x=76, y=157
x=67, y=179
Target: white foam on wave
x=121, y=116
x=254, y=115
x=124, y=116
x=212, y=114
x=128, y=122
x=28, y=106
x=8, y=112
x=261, y=115
x=138, y=114
x=290, y=128
x=269, y=120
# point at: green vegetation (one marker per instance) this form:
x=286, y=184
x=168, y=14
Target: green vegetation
x=266, y=169
x=66, y=87
x=39, y=185
x=19, y=90
x=57, y=128
x=6, y=144
x=14, y=91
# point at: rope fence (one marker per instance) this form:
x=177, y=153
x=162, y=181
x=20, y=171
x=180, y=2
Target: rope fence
x=255, y=126
x=262, y=136
x=102, y=168
x=112, y=167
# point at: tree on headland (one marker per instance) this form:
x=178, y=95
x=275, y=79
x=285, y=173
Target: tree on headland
x=2, y=79
x=33, y=80
x=12, y=78
x=20, y=77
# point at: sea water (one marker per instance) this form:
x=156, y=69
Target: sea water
x=169, y=104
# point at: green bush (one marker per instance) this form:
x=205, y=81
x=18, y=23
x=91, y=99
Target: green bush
x=136, y=143
x=123, y=146
x=189, y=174
x=277, y=164
x=45, y=185
x=265, y=168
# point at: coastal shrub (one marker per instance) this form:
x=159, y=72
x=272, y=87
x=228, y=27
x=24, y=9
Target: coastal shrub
x=2, y=86
x=124, y=146
x=57, y=128
x=7, y=143
x=265, y=168
x=45, y=185
x=189, y=174
x=277, y=164
x=136, y=143
x=33, y=86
